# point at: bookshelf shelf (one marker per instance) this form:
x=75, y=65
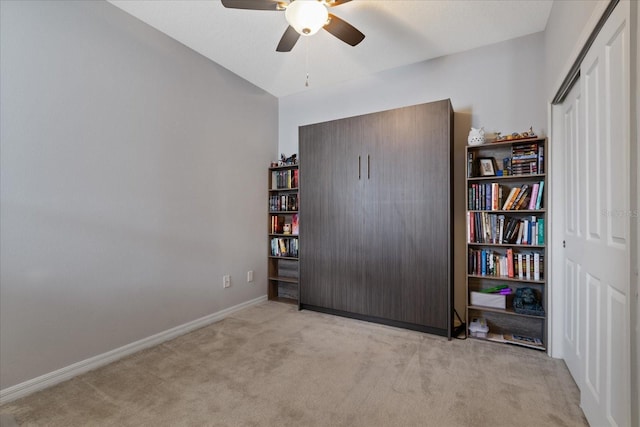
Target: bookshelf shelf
x=285, y=300
x=284, y=190
x=506, y=245
x=508, y=312
x=505, y=279
x=283, y=271
x=283, y=212
x=506, y=177
x=498, y=338
x=284, y=279
x=510, y=211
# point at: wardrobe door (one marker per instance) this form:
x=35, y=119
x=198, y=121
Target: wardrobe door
x=330, y=215
x=408, y=203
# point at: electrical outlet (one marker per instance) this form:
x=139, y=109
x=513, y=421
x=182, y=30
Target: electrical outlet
x=226, y=281
x=250, y=276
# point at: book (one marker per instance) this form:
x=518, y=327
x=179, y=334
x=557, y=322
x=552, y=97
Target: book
x=539, y=199
x=534, y=196
x=509, y=197
x=519, y=266
x=470, y=161
x=541, y=159
x=533, y=231
x=511, y=230
x=520, y=231
x=513, y=194
x=541, y=231
x=295, y=227
x=524, y=201
x=520, y=195
x=501, y=226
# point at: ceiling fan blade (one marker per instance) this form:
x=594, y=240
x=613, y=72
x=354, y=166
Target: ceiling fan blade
x=255, y=4
x=343, y=30
x=288, y=40
x=332, y=3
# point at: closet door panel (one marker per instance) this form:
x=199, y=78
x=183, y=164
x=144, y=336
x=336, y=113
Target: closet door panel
x=330, y=216
x=407, y=215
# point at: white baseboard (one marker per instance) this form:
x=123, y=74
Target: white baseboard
x=52, y=378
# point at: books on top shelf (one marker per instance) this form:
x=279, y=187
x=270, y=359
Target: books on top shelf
x=284, y=179
x=527, y=158
x=493, y=197
x=510, y=264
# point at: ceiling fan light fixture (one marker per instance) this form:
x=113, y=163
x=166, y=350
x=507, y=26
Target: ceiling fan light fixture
x=307, y=16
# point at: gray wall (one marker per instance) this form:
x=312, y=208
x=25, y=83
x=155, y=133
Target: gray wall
x=133, y=176
x=499, y=87
x=567, y=22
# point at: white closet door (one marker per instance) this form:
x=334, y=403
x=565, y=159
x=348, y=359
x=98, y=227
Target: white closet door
x=596, y=334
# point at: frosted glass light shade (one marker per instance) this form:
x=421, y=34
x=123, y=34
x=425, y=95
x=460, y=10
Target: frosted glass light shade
x=306, y=16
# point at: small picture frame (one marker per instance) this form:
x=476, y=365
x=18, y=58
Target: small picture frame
x=487, y=166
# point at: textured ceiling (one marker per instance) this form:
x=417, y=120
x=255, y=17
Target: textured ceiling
x=397, y=33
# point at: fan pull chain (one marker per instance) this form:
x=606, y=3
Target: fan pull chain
x=306, y=61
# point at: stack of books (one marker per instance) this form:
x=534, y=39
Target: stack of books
x=527, y=158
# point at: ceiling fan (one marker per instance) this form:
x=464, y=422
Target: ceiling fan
x=305, y=17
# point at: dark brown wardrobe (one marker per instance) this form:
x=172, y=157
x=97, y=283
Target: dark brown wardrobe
x=376, y=217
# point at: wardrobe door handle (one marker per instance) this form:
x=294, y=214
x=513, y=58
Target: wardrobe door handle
x=359, y=168
x=368, y=166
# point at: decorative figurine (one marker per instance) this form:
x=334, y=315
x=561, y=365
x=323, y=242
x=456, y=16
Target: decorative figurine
x=284, y=160
x=476, y=136
x=525, y=302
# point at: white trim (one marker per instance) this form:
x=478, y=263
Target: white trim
x=555, y=230
x=52, y=378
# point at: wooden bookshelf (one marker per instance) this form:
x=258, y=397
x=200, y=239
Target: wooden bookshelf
x=504, y=239
x=283, y=271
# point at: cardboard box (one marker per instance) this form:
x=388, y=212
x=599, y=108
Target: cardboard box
x=491, y=300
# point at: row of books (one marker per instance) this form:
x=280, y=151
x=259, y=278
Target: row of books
x=284, y=179
x=525, y=266
x=483, y=227
x=490, y=197
x=283, y=202
x=278, y=225
x=529, y=196
x=284, y=247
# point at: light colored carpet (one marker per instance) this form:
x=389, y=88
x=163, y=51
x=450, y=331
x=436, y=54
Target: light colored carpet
x=271, y=365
